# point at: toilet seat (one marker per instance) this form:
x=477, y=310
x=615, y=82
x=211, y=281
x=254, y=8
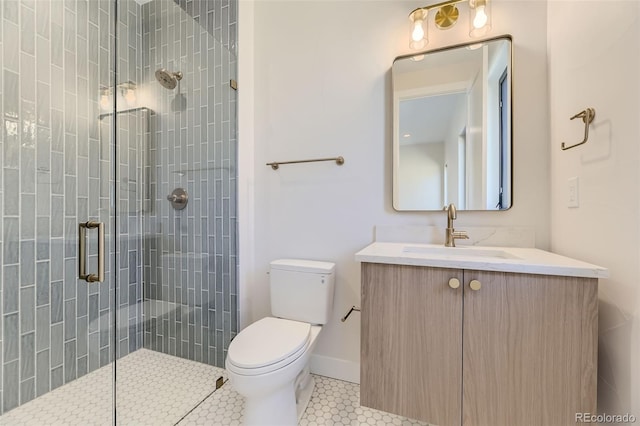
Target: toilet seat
x=267, y=345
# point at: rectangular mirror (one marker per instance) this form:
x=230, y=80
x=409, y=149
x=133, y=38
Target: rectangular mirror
x=452, y=128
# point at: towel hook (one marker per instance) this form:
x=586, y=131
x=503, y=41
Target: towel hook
x=587, y=116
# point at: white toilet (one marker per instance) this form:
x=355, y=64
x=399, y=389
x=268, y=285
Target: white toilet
x=268, y=362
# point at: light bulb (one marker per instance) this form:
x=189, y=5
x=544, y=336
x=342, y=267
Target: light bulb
x=481, y=18
x=104, y=101
x=418, y=32
x=418, y=29
x=130, y=96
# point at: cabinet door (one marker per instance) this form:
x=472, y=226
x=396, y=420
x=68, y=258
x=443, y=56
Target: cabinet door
x=530, y=349
x=411, y=347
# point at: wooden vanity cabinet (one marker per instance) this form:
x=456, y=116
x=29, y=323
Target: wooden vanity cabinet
x=411, y=342
x=520, y=350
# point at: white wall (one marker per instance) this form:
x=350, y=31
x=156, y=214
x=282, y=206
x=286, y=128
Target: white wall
x=246, y=164
x=321, y=87
x=452, y=153
x=594, y=62
x=420, y=176
x=476, y=147
x=437, y=80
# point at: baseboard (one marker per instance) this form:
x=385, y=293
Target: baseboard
x=335, y=368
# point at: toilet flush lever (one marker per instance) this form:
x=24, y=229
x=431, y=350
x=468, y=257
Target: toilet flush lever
x=353, y=308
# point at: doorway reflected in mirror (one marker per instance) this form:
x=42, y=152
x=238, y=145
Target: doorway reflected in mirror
x=452, y=128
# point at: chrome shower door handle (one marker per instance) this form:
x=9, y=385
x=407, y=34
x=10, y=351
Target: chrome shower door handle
x=82, y=251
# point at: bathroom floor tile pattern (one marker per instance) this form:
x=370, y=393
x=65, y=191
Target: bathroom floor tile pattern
x=153, y=389
x=334, y=402
x=156, y=389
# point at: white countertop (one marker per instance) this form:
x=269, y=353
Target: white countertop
x=504, y=259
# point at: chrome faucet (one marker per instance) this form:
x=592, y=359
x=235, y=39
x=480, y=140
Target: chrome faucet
x=450, y=234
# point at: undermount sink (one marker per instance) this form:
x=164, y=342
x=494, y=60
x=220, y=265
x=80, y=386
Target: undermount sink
x=459, y=251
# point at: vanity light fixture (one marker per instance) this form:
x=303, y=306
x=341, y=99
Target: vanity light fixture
x=445, y=17
x=125, y=94
x=128, y=92
x=106, y=98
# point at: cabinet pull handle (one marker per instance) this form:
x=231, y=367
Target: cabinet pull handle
x=454, y=283
x=82, y=251
x=475, y=285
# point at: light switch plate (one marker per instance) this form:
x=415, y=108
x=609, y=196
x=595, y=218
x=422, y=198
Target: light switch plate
x=573, y=193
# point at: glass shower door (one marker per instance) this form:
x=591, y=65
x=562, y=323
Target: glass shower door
x=57, y=236
x=175, y=205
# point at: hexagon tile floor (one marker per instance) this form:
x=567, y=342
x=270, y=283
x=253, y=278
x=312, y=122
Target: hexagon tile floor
x=153, y=389
x=333, y=402
x=156, y=389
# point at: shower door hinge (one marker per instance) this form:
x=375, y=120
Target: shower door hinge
x=233, y=84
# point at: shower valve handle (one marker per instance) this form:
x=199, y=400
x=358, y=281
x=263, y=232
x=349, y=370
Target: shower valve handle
x=178, y=198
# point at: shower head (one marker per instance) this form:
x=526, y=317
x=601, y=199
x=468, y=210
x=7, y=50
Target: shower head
x=168, y=79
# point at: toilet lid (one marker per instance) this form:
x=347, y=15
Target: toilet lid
x=268, y=341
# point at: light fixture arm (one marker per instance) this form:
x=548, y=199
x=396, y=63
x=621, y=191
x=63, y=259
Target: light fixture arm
x=446, y=17
x=435, y=6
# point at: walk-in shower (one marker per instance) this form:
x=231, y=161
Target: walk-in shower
x=91, y=145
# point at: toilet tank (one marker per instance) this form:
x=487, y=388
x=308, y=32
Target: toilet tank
x=302, y=290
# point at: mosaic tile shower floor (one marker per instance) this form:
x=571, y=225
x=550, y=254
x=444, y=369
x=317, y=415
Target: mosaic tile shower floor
x=178, y=386
x=153, y=389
